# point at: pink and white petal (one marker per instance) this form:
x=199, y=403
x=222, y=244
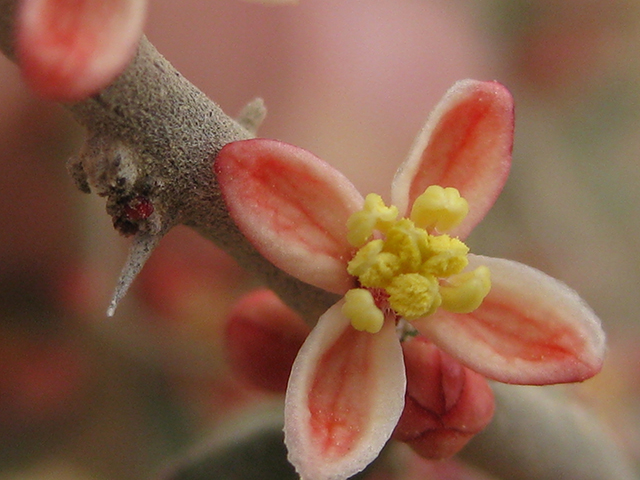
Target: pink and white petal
x=466, y=143
x=293, y=208
x=531, y=329
x=71, y=49
x=345, y=396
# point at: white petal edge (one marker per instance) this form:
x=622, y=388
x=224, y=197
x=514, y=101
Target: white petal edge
x=389, y=386
x=531, y=329
x=293, y=208
x=474, y=155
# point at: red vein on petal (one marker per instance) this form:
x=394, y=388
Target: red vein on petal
x=339, y=396
x=467, y=120
x=288, y=220
x=526, y=339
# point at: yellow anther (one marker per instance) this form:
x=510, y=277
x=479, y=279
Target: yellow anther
x=380, y=274
x=373, y=267
x=360, y=307
x=375, y=215
x=446, y=256
x=439, y=208
x=418, y=270
x=413, y=295
x=365, y=258
x=466, y=291
x=408, y=243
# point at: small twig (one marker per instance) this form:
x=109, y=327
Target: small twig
x=540, y=434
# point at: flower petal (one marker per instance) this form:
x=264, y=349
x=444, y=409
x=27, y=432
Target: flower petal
x=345, y=395
x=466, y=143
x=70, y=49
x=293, y=207
x=446, y=404
x=531, y=329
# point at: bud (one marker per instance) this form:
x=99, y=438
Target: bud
x=263, y=337
x=446, y=404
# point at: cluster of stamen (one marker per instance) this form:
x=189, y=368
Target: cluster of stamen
x=410, y=267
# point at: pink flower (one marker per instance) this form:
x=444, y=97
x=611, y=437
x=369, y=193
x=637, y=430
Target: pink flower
x=347, y=387
x=71, y=49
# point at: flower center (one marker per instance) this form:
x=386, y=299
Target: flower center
x=412, y=260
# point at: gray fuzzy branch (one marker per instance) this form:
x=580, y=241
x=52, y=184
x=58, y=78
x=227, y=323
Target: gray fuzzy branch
x=538, y=433
x=153, y=138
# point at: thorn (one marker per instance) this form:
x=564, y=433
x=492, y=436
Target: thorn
x=139, y=252
x=252, y=115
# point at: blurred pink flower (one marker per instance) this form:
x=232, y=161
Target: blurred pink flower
x=347, y=387
x=43, y=378
x=71, y=49
x=262, y=327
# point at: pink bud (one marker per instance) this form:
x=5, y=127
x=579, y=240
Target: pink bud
x=446, y=404
x=263, y=337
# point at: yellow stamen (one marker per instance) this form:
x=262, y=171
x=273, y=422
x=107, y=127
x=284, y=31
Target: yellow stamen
x=439, y=208
x=375, y=215
x=466, y=291
x=413, y=295
x=418, y=270
x=360, y=308
x=446, y=256
x=373, y=267
x=408, y=243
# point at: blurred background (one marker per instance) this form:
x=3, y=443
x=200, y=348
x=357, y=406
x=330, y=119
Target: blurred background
x=86, y=397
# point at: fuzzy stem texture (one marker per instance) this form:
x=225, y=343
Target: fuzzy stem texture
x=549, y=437
x=173, y=132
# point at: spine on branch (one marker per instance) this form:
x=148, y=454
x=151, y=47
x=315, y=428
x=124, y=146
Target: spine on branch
x=152, y=140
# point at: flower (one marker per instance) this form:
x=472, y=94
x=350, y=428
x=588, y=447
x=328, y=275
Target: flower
x=346, y=391
x=69, y=49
